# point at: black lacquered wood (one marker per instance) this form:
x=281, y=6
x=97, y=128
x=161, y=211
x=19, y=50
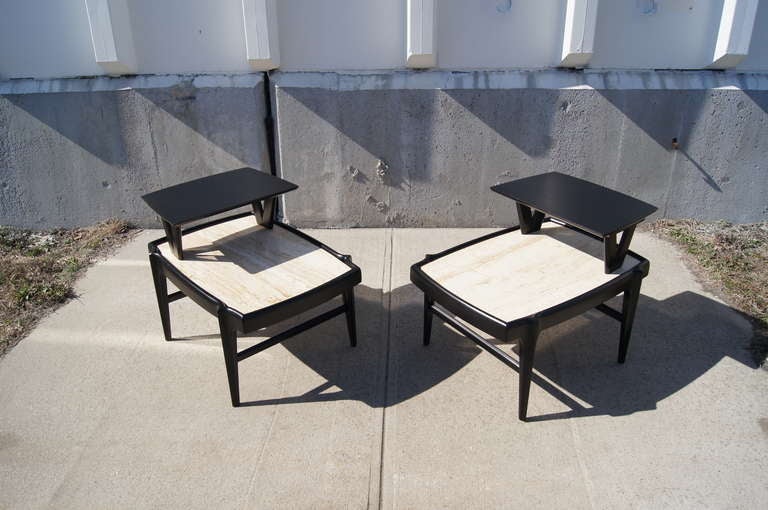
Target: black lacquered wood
x=530, y=221
x=615, y=250
x=207, y=196
x=232, y=322
x=285, y=335
x=438, y=300
x=591, y=207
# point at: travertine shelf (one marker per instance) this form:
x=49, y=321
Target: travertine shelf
x=250, y=267
x=514, y=275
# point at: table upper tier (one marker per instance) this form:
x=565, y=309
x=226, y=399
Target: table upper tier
x=596, y=209
x=200, y=198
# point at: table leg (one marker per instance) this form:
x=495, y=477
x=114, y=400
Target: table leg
x=527, y=351
x=229, y=345
x=349, y=304
x=427, y=319
x=161, y=290
x=629, y=305
x=265, y=213
x=173, y=233
x=614, y=252
x=530, y=221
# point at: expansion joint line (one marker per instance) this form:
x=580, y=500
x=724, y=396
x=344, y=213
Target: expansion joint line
x=386, y=287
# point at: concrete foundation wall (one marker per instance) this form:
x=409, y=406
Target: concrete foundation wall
x=73, y=152
x=446, y=137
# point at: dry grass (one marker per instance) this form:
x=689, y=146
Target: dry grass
x=40, y=268
x=735, y=259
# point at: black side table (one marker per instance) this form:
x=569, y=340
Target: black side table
x=561, y=261
x=595, y=209
x=201, y=198
x=249, y=270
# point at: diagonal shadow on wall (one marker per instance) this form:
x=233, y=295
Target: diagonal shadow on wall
x=230, y=118
x=523, y=117
x=759, y=98
x=666, y=116
x=393, y=125
x=99, y=122
x=91, y=120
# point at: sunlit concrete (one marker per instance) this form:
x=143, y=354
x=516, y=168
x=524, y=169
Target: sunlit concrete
x=96, y=409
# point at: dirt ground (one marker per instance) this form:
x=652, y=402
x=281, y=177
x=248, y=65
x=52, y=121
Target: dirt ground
x=732, y=260
x=40, y=268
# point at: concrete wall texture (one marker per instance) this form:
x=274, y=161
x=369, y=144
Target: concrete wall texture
x=88, y=150
x=369, y=142
x=445, y=138
x=73, y=152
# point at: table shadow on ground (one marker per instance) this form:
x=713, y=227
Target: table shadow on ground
x=360, y=373
x=675, y=341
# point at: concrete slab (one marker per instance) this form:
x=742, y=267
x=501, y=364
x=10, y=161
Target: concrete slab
x=97, y=410
x=452, y=435
x=681, y=424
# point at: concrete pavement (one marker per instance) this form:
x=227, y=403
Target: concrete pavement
x=97, y=410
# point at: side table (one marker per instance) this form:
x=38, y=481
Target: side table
x=248, y=269
x=562, y=260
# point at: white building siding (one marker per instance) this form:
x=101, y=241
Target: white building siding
x=189, y=36
x=341, y=34
x=660, y=34
x=51, y=38
x=45, y=39
x=499, y=34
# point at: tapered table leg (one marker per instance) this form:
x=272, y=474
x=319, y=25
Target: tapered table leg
x=527, y=354
x=629, y=305
x=427, y=320
x=349, y=303
x=161, y=290
x=229, y=345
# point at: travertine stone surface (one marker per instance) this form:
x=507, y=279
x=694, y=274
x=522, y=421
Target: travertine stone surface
x=514, y=275
x=250, y=267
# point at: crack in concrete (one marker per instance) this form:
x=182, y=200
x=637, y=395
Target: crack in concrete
x=260, y=457
x=387, y=299
x=577, y=443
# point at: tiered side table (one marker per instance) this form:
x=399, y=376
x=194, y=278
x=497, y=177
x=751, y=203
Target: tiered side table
x=248, y=269
x=562, y=260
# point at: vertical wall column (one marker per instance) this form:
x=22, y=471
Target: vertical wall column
x=111, y=36
x=735, y=34
x=261, y=42
x=579, y=32
x=420, y=30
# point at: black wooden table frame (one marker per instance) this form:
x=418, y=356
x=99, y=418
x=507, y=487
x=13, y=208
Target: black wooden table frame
x=232, y=322
x=614, y=248
x=453, y=310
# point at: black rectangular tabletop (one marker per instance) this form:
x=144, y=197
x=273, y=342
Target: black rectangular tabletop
x=199, y=198
x=596, y=209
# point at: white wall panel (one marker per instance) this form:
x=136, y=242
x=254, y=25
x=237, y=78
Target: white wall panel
x=341, y=34
x=656, y=34
x=189, y=36
x=45, y=39
x=757, y=59
x=51, y=38
x=499, y=33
